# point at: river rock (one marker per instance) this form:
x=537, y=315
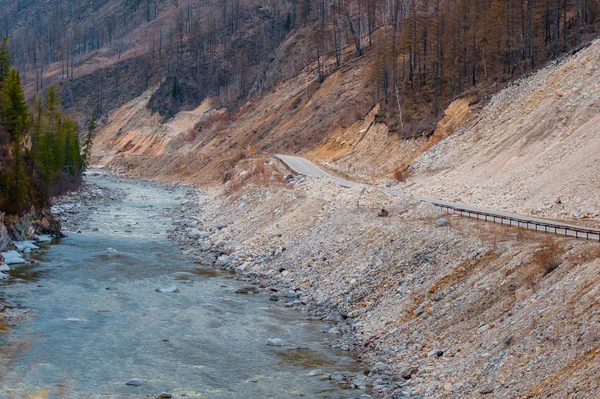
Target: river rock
x=380, y=366
x=221, y=244
x=290, y=294
x=47, y=238
x=165, y=395
x=24, y=245
x=199, y=234
x=4, y=268
x=136, y=382
x=408, y=372
x=168, y=290
x=247, y=289
x=243, y=268
x=3, y=276
x=360, y=382
x=12, y=258
x=275, y=342
x=205, y=245
x=223, y=260
x=334, y=331
x=435, y=353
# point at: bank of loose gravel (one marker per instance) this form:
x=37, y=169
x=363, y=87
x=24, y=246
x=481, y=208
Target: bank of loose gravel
x=455, y=311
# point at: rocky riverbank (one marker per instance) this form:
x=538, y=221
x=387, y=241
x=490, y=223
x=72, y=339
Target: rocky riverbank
x=434, y=307
x=20, y=236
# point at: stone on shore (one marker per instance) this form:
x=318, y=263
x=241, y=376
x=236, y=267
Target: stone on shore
x=223, y=260
x=247, y=289
x=136, y=382
x=44, y=238
x=168, y=290
x=275, y=342
x=12, y=258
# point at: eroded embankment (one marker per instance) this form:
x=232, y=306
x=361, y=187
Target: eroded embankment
x=532, y=149
x=459, y=310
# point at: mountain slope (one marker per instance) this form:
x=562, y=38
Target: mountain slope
x=534, y=143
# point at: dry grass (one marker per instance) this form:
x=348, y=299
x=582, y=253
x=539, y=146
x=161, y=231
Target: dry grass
x=590, y=254
x=218, y=120
x=192, y=135
x=255, y=172
x=546, y=259
x=401, y=172
x=549, y=257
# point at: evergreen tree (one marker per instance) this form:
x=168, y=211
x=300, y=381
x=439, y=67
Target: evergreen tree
x=18, y=194
x=87, y=146
x=5, y=59
x=176, y=89
x=14, y=109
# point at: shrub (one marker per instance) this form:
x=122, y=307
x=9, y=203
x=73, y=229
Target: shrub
x=548, y=258
x=401, y=172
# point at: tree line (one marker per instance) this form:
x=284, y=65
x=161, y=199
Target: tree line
x=423, y=53
x=40, y=155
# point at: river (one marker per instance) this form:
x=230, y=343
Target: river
x=97, y=321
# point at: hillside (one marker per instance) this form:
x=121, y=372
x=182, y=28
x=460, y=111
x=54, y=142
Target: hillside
x=358, y=85
x=535, y=148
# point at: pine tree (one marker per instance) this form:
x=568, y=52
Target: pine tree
x=87, y=146
x=5, y=59
x=14, y=109
x=176, y=89
x=19, y=183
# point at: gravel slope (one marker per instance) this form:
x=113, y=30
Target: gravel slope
x=535, y=142
x=434, y=312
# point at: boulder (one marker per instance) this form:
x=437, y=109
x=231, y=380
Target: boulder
x=199, y=234
x=442, y=222
x=205, y=245
x=383, y=213
x=408, y=372
x=290, y=294
x=221, y=244
x=24, y=245
x=380, y=366
x=435, y=353
x=275, y=342
x=223, y=260
x=247, y=289
x=168, y=290
x=13, y=258
x=136, y=382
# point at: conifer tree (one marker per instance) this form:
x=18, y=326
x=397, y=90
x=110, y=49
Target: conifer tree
x=87, y=145
x=176, y=89
x=5, y=59
x=14, y=109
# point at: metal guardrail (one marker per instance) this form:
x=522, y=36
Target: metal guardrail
x=540, y=225
x=513, y=220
